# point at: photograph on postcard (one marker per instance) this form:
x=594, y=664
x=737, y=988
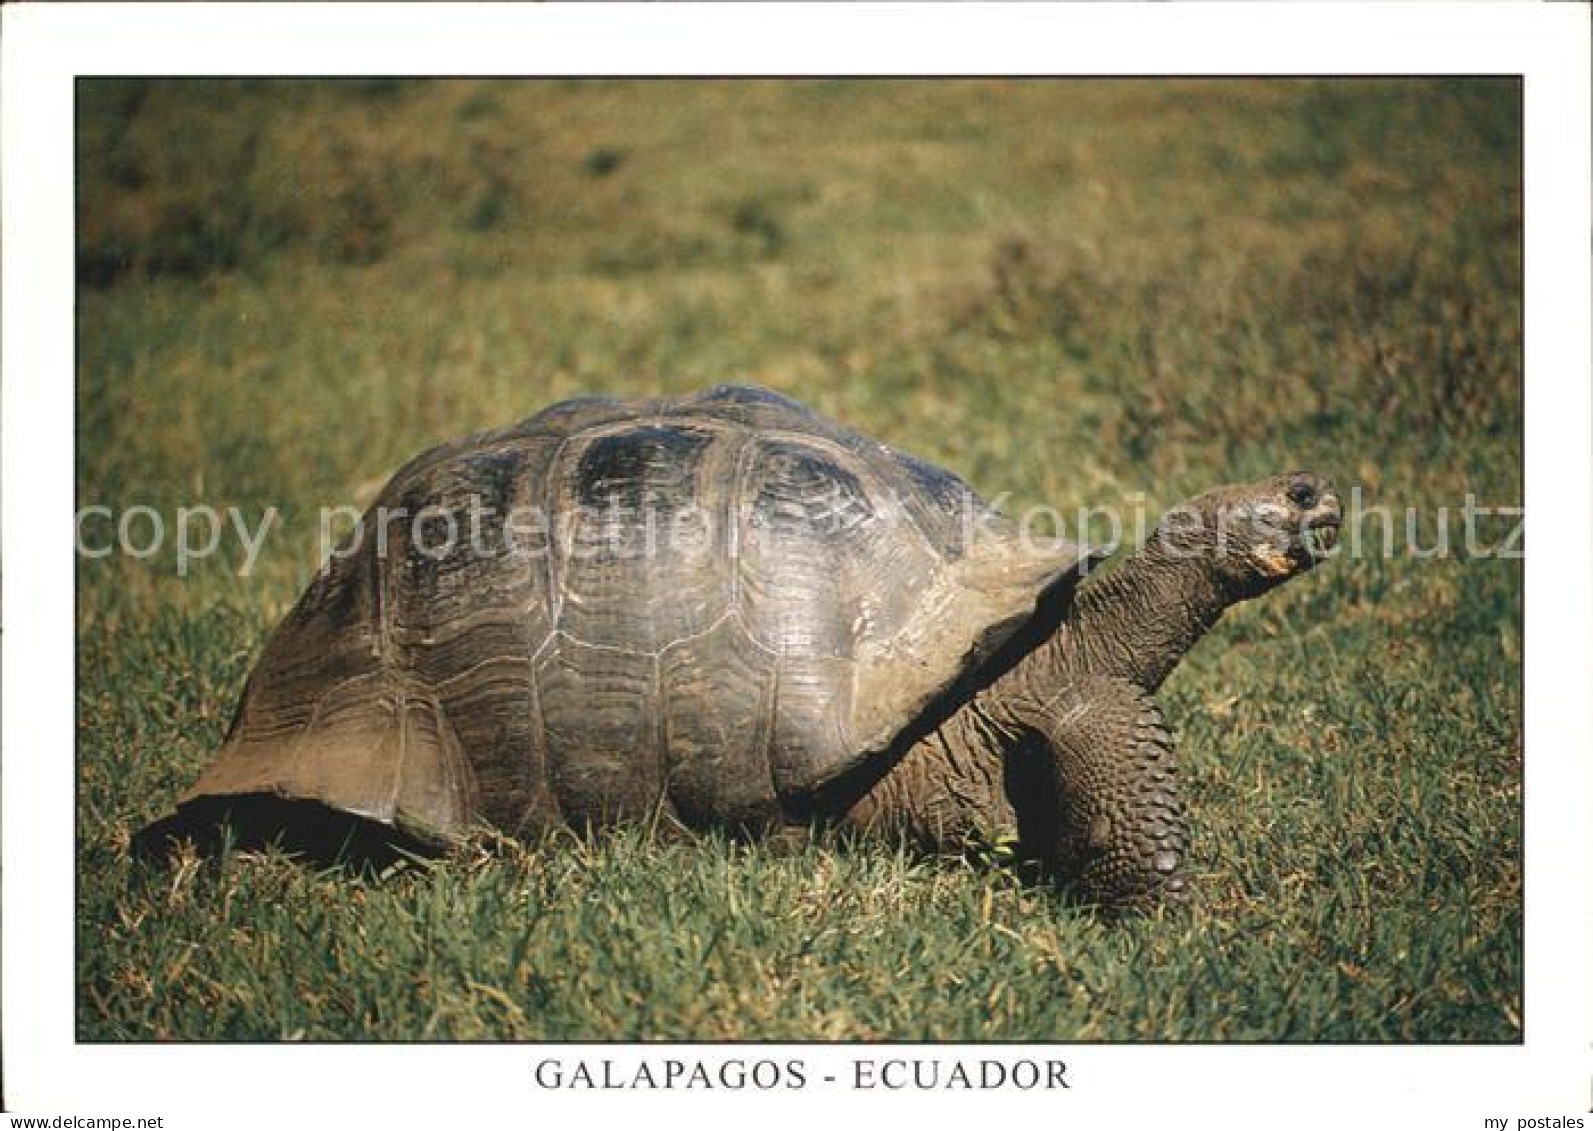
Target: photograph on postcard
x=747, y=560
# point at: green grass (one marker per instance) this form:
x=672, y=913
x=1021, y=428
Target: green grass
x=1072, y=292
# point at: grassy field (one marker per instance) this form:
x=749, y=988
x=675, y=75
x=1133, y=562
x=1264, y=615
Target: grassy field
x=1073, y=292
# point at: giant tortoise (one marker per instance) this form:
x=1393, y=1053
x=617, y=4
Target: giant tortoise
x=727, y=611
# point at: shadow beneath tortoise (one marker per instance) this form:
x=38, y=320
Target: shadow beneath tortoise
x=305, y=830
x=320, y=836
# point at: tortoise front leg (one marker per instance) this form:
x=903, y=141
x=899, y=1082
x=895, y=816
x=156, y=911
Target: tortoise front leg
x=1093, y=785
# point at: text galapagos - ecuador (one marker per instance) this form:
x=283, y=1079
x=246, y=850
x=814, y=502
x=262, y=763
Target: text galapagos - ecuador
x=768, y=1074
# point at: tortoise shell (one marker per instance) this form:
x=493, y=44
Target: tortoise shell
x=711, y=606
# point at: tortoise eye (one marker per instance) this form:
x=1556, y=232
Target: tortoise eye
x=1302, y=495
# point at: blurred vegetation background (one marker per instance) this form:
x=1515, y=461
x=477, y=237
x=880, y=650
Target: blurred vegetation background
x=1078, y=292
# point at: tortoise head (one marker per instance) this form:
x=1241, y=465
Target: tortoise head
x=1256, y=535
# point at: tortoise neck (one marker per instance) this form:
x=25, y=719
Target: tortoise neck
x=1135, y=622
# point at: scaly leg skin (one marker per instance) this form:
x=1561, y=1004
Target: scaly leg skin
x=946, y=794
x=1096, y=794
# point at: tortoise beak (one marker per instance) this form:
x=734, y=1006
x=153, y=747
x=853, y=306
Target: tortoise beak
x=1321, y=530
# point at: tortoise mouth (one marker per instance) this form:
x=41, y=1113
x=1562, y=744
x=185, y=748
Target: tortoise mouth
x=1319, y=538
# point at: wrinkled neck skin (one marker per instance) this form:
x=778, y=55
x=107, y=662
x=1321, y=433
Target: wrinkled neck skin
x=1135, y=622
